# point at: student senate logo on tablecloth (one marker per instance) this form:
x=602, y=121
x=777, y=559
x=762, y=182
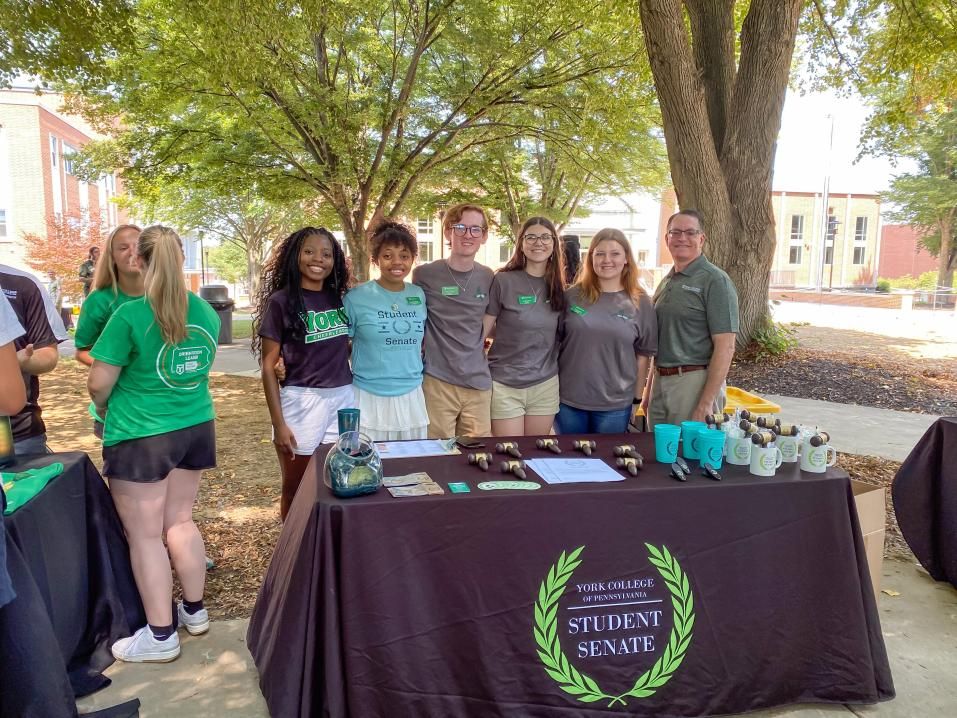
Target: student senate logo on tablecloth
x=610, y=619
x=183, y=365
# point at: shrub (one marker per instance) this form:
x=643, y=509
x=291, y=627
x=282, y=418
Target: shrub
x=883, y=285
x=773, y=340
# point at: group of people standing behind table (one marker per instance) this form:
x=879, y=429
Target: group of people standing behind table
x=411, y=356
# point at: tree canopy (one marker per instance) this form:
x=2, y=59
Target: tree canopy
x=357, y=103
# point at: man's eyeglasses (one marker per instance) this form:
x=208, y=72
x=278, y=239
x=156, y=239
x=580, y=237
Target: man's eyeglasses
x=676, y=233
x=461, y=230
x=539, y=238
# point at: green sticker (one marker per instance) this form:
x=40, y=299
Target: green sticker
x=579, y=310
x=450, y=291
x=527, y=299
x=413, y=300
x=521, y=485
x=459, y=487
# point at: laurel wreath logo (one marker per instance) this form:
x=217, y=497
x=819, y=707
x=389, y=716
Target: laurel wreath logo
x=569, y=678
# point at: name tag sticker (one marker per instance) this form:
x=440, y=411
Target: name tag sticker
x=413, y=300
x=579, y=310
x=450, y=291
x=527, y=298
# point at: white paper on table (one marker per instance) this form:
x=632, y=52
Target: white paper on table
x=573, y=471
x=416, y=447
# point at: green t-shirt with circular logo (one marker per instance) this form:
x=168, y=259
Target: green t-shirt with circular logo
x=162, y=387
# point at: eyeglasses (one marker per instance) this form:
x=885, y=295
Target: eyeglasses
x=461, y=230
x=676, y=233
x=539, y=238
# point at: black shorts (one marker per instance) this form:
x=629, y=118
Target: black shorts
x=152, y=458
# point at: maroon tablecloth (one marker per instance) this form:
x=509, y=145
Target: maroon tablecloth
x=925, y=500
x=643, y=597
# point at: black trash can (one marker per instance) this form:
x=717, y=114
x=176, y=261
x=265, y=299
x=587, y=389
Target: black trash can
x=217, y=296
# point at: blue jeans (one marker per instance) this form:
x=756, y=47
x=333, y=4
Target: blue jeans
x=580, y=421
x=31, y=445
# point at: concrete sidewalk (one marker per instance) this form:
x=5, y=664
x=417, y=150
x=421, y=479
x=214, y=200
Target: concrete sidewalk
x=857, y=429
x=215, y=675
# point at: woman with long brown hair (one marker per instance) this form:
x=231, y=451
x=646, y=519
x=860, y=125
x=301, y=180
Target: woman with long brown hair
x=609, y=334
x=150, y=381
x=525, y=304
x=116, y=280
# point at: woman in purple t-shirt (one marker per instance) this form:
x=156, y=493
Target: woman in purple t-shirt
x=299, y=319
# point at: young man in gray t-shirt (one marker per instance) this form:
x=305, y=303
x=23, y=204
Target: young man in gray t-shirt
x=457, y=384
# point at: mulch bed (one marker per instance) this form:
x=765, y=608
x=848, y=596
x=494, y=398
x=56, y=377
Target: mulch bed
x=847, y=378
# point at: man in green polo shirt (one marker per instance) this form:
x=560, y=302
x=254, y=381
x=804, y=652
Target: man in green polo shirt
x=697, y=308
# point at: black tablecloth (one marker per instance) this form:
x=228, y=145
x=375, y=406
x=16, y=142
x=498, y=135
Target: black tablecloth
x=69, y=563
x=437, y=606
x=925, y=500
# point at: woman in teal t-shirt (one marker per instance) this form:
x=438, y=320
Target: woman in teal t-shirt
x=116, y=280
x=386, y=323
x=150, y=379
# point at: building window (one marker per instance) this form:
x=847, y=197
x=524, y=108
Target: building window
x=859, y=255
x=796, y=250
x=426, y=251
x=642, y=258
x=504, y=251
x=424, y=225
x=68, y=153
x=860, y=230
x=829, y=253
x=3, y=223
x=797, y=228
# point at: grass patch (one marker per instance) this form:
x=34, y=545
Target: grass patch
x=242, y=328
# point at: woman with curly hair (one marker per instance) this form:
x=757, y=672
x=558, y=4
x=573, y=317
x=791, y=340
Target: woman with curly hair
x=299, y=319
x=386, y=323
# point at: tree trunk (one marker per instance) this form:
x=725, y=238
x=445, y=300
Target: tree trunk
x=721, y=123
x=945, y=259
x=358, y=251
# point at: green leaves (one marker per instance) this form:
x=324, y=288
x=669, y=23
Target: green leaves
x=584, y=688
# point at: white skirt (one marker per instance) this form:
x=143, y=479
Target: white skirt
x=393, y=418
x=313, y=414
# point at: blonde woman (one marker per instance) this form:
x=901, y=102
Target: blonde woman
x=116, y=280
x=609, y=335
x=150, y=381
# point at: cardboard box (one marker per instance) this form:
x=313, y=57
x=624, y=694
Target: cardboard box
x=871, y=514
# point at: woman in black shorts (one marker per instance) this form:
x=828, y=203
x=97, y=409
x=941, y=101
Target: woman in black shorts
x=150, y=382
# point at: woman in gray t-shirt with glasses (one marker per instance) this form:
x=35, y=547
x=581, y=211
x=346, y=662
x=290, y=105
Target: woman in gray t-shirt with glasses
x=609, y=332
x=525, y=303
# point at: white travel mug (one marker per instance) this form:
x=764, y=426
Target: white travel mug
x=815, y=458
x=765, y=460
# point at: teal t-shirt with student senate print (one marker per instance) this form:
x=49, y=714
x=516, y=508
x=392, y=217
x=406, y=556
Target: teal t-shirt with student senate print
x=162, y=387
x=386, y=329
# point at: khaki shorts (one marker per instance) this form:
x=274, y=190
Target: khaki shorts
x=536, y=400
x=456, y=410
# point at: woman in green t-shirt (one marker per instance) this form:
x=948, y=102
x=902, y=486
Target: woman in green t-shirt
x=150, y=380
x=116, y=281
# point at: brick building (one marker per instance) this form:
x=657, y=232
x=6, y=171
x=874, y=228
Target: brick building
x=37, y=181
x=901, y=254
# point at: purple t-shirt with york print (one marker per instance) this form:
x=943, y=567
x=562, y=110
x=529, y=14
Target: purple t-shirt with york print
x=320, y=358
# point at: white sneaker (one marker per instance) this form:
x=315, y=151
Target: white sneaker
x=142, y=647
x=196, y=623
